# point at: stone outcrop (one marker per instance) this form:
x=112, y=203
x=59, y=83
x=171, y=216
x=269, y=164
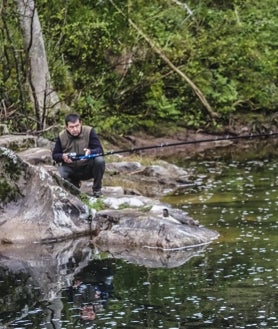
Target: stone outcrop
x=18, y=142
x=37, y=205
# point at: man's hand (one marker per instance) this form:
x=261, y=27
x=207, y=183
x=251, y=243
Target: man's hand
x=66, y=158
x=87, y=151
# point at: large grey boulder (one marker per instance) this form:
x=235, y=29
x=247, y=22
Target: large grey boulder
x=18, y=142
x=150, y=180
x=34, y=205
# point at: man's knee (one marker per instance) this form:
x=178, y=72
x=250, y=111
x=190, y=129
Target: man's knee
x=63, y=173
x=98, y=162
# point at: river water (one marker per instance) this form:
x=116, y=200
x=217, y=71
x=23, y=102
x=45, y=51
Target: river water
x=232, y=283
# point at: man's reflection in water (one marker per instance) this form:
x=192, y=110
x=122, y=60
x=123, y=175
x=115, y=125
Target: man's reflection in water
x=88, y=312
x=91, y=289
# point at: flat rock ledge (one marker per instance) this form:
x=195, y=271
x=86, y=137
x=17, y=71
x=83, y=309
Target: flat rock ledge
x=149, y=230
x=36, y=205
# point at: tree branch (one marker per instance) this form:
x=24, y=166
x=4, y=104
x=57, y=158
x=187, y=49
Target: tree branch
x=197, y=91
x=186, y=7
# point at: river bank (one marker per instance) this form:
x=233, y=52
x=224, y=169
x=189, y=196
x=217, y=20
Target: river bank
x=135, y=179
x=39, y=206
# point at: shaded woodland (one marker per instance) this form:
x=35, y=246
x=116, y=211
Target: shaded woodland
x=127, y=66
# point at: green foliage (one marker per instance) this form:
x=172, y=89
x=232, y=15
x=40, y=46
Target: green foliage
x=158, y=104
x=7, y=192
x=103, y=68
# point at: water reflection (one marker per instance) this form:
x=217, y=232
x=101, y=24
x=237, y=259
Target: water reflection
x=153, y=258
x=67, y=283
x=89, y=293
x=34, y=274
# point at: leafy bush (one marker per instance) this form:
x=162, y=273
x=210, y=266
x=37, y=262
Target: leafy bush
x=107, y=70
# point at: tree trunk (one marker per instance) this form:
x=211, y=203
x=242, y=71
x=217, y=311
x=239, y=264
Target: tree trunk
x=43, y=96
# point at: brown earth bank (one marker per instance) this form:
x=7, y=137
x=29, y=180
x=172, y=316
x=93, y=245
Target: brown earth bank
x=239, y=124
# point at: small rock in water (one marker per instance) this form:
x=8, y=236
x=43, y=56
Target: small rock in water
x=181, y=217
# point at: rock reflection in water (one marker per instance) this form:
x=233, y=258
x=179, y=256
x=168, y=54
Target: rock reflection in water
x=32, y=274
x=42, y=283
x=155, y=258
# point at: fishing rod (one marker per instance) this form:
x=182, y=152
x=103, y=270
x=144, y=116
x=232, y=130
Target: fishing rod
x=75, y=156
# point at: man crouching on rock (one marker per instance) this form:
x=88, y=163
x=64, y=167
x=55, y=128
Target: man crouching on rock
x=81, y=140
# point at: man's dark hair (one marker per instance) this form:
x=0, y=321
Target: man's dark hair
x=73, y=117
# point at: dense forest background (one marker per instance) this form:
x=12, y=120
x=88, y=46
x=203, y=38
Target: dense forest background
x=131, y=65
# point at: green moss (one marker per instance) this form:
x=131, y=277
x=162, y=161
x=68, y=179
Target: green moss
x=145, y=208
x=7, y=191
x=11, y=168
x=97, y=205
x=124, y=206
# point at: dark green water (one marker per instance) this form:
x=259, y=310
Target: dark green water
x=232, y=283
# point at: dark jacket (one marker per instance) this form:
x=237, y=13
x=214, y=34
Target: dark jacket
x=66, y=143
